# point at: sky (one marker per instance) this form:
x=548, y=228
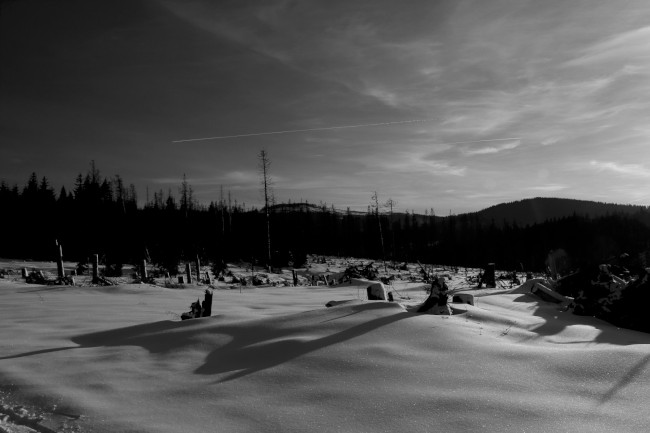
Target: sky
x=467, y=103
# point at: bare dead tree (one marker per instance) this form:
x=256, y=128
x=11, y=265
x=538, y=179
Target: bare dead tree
x=221, y=208
x=230, y=212
x=265, y=164
x=375, y=206
x=390, y=204
x=186, y=193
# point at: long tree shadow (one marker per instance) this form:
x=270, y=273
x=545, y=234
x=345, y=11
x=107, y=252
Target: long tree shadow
x=627, y=378
x=244, y=358
x=44, y=289
x=556, y=321
x=137, y=335
x=251, y=346
x=156, y=337
x=38, y=352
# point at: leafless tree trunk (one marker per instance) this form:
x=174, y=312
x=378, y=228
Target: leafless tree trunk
x=59, y=260
x=186, y=196
x=375, y=205
x=222, y=205
x=265, y=164
x=390, y=204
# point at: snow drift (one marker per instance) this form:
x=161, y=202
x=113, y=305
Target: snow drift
x=276, y=359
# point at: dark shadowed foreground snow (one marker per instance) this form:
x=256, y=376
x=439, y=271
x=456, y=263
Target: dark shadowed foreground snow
x=275, y=359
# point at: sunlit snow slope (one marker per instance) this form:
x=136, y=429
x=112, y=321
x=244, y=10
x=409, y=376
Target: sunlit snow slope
x=275, y=359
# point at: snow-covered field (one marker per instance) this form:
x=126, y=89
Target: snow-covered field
x=275, y=359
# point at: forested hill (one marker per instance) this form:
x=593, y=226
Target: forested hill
x=522, y=212
x=537, y=210
x=102, y=216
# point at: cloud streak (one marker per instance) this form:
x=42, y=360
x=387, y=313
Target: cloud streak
x=635, y=170
x=492, y=149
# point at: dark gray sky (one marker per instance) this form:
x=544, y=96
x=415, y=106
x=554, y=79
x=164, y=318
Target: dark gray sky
x=521, y=98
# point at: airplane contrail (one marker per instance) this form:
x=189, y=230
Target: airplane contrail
x=480, y=141
x=291, y=131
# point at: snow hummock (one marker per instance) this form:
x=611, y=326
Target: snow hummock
x=276, y=359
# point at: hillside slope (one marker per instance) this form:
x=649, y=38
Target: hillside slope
x=537, y=210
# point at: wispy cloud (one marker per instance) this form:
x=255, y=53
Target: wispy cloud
x=234, y=177
x=547, y=188
x=415, y=159
x=635, y=170
x=492, y=149
x=418, y=164
x=631, y=45
x=549, y=141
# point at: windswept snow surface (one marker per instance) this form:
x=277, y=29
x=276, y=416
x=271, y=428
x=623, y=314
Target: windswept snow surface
x=277, y=360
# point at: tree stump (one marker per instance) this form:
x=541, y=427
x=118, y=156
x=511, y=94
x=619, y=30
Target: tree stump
x=95, y=267
x=188, y=272
x=377, y=292
x=206, y=306
x=488, y=276
x=463, y=298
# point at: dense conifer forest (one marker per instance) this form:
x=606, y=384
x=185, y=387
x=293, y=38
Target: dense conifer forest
x=101, y=215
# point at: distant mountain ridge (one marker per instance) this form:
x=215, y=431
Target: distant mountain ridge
x=539, y=209
x=522, y=212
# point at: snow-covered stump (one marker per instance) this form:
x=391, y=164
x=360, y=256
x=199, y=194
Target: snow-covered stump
x=200, y=309
x=25, y=273
x=541, y=288
x=437, y=302
x=188, y=273
x=434, y=305
x=377, y=292
x=463, y=298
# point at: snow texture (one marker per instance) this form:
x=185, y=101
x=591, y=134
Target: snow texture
x=275, y=359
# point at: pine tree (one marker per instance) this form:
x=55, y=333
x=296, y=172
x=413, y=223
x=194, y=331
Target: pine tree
x=46, y=195
x=30, y=192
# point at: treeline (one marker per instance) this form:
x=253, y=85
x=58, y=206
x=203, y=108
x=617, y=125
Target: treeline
x=101, y=215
